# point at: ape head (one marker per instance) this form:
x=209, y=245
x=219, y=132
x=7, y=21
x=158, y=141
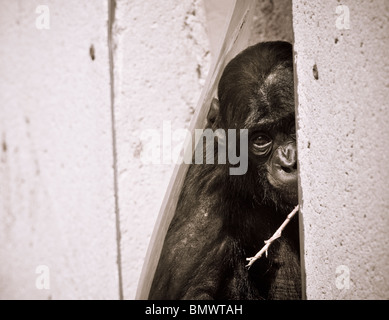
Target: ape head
x=256, y=92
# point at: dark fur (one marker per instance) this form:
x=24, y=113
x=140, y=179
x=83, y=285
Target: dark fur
x=222, y=219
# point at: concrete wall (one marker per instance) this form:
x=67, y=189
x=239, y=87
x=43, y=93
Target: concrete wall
x=343, y=114
x=56, y=178
x=161, y=59
x=272, y=21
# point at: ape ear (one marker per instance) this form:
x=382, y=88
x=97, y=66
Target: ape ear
x=213, y=112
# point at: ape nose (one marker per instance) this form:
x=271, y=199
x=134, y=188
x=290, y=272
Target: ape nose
x=288, y=157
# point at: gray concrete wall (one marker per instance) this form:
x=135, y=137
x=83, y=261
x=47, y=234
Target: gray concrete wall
x=343, y=113
x=56, y=179
x=162, y=57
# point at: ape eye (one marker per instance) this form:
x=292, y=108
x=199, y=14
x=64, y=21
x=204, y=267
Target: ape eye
x=262, y=140
x=262, y=144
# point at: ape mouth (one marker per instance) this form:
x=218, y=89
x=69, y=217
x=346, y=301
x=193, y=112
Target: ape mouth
x=283, y=176
x=284, y=184
x=286, y=169
x=291, y=169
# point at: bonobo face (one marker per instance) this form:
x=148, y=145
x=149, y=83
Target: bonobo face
x=273, y=149
x=256, y=92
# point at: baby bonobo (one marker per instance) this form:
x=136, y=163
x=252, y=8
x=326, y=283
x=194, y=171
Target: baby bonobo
x=221, y=219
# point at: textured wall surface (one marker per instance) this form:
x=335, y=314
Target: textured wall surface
x=161, y=60
x=343, y=115
x=56, y=177
x=272, y=21
x=217, y=13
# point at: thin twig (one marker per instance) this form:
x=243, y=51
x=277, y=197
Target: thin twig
x=275, y=236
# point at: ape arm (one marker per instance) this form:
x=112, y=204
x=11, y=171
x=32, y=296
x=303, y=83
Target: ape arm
x=287, y=278
x=192, y=258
